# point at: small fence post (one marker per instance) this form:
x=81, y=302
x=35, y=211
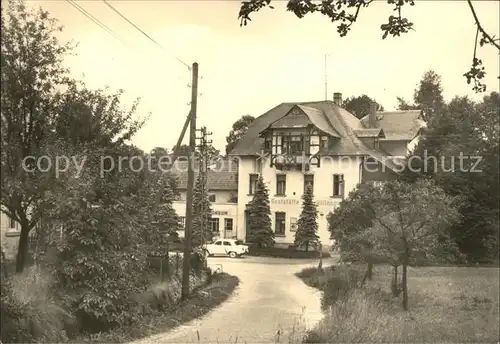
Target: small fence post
x=161, y=268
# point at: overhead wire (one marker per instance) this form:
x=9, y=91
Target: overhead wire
x=96, y=21
x=144, y=33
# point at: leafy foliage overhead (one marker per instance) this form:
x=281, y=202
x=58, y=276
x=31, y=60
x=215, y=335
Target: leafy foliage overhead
x=346, y=13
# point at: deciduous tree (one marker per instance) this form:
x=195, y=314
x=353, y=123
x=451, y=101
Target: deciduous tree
x=349, y=219
x=260, y=231
x=238, y=129
x=360, y=105
x=307, y=226
x=411, y=224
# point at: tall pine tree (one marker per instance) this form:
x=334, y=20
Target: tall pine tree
x=307, y=226
x=260, y=231
x=166, y=218
x=202, y=213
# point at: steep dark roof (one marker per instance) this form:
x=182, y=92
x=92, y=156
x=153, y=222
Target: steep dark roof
x=221, y=176
x=398, y=125
x=326, y=114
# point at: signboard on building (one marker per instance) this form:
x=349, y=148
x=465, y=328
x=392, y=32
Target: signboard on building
x=286, y=201
x=220, y=213
x=293, y=201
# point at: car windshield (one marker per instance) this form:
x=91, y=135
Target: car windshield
x=237, y=242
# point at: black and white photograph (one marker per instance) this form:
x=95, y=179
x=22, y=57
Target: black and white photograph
x=250, y=171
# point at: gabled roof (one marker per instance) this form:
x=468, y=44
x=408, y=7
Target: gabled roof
x=295, y=118
x=366, y=133
x=222, y=175
x=398, y=125
x=216, y=181
x=326, y=114
x=320, y=120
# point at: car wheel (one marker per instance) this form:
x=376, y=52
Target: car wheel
x=232, y=254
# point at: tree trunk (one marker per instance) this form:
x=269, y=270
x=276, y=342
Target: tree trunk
x=370, y=271
x=405, y=286
x=320, y=266
x=22, y=249
x=307, y=246
x=394, y=286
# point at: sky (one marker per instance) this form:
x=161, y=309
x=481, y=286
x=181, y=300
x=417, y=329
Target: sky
x=276, y=58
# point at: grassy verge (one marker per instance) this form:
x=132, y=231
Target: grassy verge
x=447, y=304
x=277, y=252
x=202, y=300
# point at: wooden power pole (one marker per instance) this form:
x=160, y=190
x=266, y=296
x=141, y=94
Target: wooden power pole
x=188, y=233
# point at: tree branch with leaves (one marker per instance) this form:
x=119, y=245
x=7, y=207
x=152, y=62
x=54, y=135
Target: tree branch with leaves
x=346, y=12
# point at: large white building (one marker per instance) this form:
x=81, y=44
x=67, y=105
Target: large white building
x=295, y=144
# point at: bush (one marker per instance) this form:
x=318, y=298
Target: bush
x=359, y=317
x=277, y=252
x=30, y=314
x=335, y=282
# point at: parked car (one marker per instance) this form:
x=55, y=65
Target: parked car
x=226, y=247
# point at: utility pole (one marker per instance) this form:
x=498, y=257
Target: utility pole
x=186, y=266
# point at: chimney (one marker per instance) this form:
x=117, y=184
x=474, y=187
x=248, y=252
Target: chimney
x=337, y=98
x=372, y=116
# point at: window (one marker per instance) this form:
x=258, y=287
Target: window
x=268, y=143
x=296, y=145
x=292, y=144
x=253, y=184
x=293, y=224
x=308, y=180
x=214, y=224
x=281, y=184
x=338, y=185
x=227, y=243
x=279, y=225
x=12, y=223
x=277, y=144
x=324, y=141
x=183, y=221
x=228, y=224
x=218, y=243
x=211, y=198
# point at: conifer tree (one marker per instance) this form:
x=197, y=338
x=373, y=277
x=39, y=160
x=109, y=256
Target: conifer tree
x=307, y=226
x=166, y=218
x=202, y=213
x=260, y=231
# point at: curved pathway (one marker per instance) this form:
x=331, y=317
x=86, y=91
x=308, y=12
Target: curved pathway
x=270, y=298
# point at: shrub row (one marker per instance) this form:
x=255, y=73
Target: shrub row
x=278, y=252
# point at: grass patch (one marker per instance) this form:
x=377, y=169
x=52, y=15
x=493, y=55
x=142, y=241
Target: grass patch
x=278, y=252
x=446, y=304
x=201, y=301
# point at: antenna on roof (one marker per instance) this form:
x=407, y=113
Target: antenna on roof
x=326, y=78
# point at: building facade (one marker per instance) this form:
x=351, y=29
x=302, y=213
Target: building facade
x=322, y=144
x=222, y=185
x=298, y=144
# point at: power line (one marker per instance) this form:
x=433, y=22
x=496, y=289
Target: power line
x=145, y=34
x=95, y=20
